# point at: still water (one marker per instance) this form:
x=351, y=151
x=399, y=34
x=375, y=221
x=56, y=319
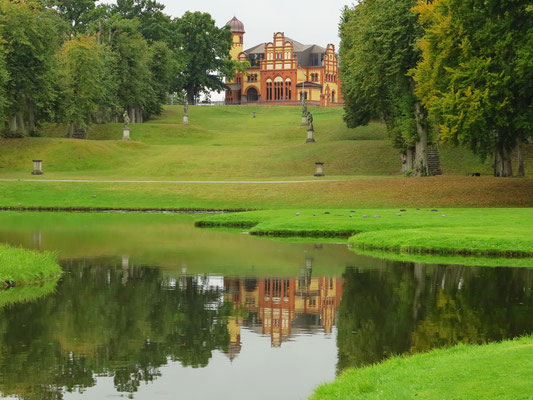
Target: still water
x=151, y=308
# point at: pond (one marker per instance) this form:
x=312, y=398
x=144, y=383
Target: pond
x=150, y=307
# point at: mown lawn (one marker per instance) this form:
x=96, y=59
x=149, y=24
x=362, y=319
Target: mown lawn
x=494, y=371
x=221, y=143
x=491, y=232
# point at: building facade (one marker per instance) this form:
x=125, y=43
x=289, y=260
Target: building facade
x=284, y=71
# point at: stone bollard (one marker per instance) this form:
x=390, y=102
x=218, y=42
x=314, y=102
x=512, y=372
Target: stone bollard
x=37, y=167
x=126, y=134
x=310, y=138
x=254, y=114
x=319, y=169
x=185, y=120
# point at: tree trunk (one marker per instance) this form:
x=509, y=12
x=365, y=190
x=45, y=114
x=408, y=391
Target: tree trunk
x=70, y=131
x=13, y=124
x=132, y=115
x=502, y=162
x=507, y=165
x=31, y=115
x=20, y=124
x=190, y=98
x=421, y=167
x=521, y=164
x=408, y=160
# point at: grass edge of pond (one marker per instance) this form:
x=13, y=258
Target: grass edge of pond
x=434, y=374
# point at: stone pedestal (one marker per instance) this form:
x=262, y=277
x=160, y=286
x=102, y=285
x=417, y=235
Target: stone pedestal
x=186, y=120
x=319, y=169
x=37, y=167
x=310, y=138
x=126, y=134
x=304, y=120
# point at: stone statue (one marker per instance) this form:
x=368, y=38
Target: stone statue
x=127, y=120
x=310, y=121
x=186, y=107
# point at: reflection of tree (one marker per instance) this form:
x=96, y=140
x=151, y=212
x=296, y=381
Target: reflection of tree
x=97, y=324
x=375, y=315
x=413, y=308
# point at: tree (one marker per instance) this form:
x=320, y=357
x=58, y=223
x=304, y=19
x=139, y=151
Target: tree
x=164, y=68
x=154, y=24
x=205, y=50
x=84, y=79
x=133, y=75
x=31, y=35
x=77, y=13
x=476, y=75
x=377, y=51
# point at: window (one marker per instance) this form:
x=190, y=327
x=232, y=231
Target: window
x=288, y=90
x=303, y=95
x=279, y=56
x=269, y=90
x=278, y=90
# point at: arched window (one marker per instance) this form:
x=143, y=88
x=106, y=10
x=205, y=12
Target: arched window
x=333, y=97
x=278, y=88
x=288, y=89
x=269, y=89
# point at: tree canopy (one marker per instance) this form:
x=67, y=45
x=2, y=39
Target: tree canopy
x=377, y=51
x=476, y=74
x=134, y=54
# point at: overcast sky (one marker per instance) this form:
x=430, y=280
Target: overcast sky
x=309, y=22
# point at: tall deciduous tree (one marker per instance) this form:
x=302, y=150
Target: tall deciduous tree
x=133, y=75
x=31, y=35
x=205, y=50
x=84, y=81
x=476, y=75
x=377, y=51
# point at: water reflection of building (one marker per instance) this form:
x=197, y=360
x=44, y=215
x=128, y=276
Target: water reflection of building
x=282, y=307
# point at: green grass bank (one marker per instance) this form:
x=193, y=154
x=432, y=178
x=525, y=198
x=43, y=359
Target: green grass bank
x=242, y=162
x=222, y=143
x=493, y=371
x=21, y=266
x=480, y=232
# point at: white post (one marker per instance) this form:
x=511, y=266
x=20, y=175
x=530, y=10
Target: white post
x=126, y=134
x=319, y=169
x=185, y=120
x=37, y=167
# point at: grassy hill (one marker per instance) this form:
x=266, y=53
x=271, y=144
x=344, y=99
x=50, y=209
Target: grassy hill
x=220, y=143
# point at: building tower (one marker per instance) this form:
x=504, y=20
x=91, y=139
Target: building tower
x=237, y=29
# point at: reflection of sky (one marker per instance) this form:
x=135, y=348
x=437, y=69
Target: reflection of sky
x=259, y=372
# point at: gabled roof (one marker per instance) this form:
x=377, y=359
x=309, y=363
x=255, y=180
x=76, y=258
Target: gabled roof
x=298, y=48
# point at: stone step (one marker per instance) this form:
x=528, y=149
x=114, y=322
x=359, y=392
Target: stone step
x=434, y=161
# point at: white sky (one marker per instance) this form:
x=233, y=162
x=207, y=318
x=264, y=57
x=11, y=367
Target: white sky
x=309, y=22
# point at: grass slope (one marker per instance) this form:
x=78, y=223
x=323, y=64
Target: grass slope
x=21, y=266
x=501, y=232
x=494, y=371
x=220, y=143
x=226, y=143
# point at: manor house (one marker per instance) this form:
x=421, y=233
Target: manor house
x=283, y=72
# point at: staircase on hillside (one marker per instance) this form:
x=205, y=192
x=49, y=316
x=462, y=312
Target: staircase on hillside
x=434, y=161
x=79, y=134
